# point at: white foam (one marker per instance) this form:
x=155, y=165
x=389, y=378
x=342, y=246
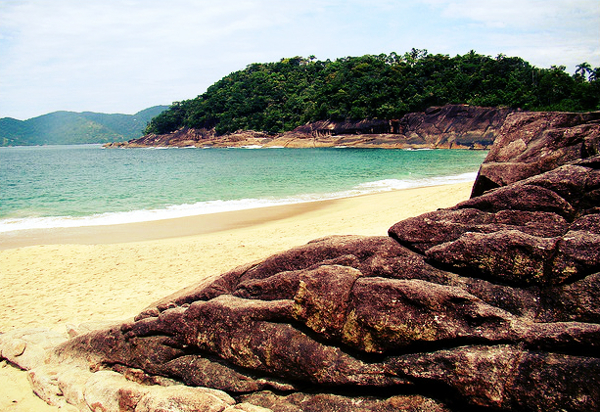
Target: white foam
x=398, y=184
x=216, y=206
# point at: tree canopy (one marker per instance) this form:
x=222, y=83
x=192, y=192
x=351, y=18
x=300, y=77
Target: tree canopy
x=277, y=97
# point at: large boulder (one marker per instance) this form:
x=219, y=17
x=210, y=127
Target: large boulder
x=489, y=305
x=530, y=143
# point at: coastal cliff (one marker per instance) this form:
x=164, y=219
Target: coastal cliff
x=447, y=127
x=492, y=304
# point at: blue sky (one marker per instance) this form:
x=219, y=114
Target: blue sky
x=122, y=56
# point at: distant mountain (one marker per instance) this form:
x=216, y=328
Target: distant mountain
x=75, y=128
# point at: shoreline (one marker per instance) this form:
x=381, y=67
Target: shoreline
x=177, y=227
x=62, y=226
x=159, y=229
x=92, y=276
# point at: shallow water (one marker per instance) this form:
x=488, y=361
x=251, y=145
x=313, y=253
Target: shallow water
x=66, y=186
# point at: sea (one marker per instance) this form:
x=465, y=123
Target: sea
x=46, y=187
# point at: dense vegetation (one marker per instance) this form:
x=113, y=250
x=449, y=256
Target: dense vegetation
x=276, y=97
x=75, y=128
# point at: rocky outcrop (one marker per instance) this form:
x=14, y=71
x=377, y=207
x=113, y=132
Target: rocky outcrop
x=447, y=127
x=455, y=126
x=531, y=143
x=186, y=137
x=491, y=305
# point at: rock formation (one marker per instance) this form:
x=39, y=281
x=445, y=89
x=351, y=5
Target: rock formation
x=447, y=127
x=533, y=143
x=493, y=304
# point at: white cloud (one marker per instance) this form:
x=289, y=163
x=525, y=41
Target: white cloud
x=544, y=32
x=513, y=13
x=126, y=55
x=103, y=48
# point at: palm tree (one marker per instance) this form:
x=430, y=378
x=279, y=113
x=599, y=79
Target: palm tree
x=583, y=69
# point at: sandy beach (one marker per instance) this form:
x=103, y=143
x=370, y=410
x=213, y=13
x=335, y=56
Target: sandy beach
x=63, y=277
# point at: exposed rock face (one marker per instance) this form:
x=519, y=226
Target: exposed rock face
x=493, y=304
x=454, y=126
x=447, y=127
x=186, y=137
x=531, y=143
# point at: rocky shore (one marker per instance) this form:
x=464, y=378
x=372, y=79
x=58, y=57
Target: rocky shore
x=492, y=304
x=447, y=127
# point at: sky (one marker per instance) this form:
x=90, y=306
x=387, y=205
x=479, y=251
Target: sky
x=123, y=56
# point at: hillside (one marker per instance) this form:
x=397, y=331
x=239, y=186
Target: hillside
x=75, y=128
x=278, y=97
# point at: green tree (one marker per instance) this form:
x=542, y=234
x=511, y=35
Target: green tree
x=279, y=96
x=583, y=70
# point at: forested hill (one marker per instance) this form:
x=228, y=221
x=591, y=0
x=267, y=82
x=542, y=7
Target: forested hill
x=277, y=97
x=75, y=128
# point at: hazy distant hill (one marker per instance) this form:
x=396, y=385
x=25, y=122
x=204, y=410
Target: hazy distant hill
x=75, y=128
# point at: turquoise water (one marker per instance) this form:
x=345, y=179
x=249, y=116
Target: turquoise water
x=63, y=186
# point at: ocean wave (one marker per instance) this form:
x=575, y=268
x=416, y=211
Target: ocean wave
x=217, y=206
x=399, y=184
